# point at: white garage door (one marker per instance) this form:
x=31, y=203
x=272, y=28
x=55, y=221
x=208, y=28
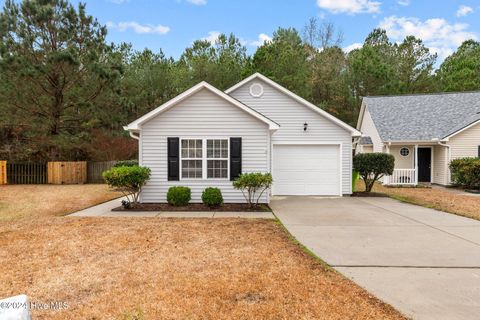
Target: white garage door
x=306, y=170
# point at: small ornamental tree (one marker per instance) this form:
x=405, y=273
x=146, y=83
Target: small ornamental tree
x=128, y=180
x=253, y=185
x=466, y=172
x=373, y=166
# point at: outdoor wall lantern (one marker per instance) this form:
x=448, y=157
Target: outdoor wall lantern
x=305, y=125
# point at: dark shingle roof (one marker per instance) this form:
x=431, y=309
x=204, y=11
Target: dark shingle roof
x=365, y=140
x=423, y=116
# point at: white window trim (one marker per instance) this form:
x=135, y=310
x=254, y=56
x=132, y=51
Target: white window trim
x=204, y=159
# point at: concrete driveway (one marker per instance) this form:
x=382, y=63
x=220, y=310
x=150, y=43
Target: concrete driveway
x=424, y=262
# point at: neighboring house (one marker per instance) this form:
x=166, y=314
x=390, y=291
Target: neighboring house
x=205, y=138
x=424, y=132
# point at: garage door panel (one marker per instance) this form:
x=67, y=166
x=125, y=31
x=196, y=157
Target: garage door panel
x=306, y=170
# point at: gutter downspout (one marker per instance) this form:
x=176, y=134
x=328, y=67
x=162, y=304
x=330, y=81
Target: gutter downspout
x=136, y=137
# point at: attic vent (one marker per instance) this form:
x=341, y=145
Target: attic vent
x=256, y=90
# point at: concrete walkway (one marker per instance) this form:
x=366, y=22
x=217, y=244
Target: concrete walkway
x=105, y=210
x=424, y=262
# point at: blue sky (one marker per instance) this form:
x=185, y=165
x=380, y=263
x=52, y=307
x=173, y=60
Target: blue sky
x=174, y=24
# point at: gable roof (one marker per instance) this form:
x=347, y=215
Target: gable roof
x=135, y=125
x=365, y=140
x=297, y=98
x=422, y=117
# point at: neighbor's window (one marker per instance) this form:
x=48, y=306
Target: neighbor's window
x=192, y=155
x=217, y=158
x=404, y=151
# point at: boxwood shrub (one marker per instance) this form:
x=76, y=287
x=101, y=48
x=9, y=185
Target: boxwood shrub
x=212, y=197
x=179, y=196
x=466, y=172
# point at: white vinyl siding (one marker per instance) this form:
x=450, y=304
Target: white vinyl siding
x=291, y=116
x=402, y=162
x=465, y=143
x=440, y=165
x=204, y=115
x=368, y=128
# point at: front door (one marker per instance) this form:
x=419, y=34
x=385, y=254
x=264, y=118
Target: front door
x=424, y=164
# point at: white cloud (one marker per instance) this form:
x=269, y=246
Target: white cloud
x=464, y=10
x=198, y=2
x=119, y=1
x=262, y=38
x=437, y=34
x=403, y=2
x=212, y=36
x=350, y=6
x=353, y=46
x=139, y=28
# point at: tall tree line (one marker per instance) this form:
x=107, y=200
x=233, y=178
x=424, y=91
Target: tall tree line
x=65, y=93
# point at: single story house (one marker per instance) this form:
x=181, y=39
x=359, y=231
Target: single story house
x=205, y=137
x=423, y=131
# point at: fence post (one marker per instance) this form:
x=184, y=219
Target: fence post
x=3, y=172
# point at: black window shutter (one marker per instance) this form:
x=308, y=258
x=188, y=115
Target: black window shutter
x=173, y=159
x=235, y=158
x=478, y=152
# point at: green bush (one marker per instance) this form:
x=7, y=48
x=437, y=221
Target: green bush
x=128, y=180
x=253, y=185
x=179, y=196
x=212, y=197
x=466, y=172
x=126, y=163
x=373, y=166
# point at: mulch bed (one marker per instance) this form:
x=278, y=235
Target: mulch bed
x=227, y=207
x=369, y=194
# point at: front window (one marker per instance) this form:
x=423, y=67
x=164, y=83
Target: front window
x=204, y=158
x=218, y=150
x=192, y=152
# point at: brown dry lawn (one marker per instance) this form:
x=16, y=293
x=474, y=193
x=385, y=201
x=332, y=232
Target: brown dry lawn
x=157, y=268
x=436, y=198
x=33, y=201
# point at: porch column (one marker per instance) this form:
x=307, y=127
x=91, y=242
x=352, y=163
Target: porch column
x=386, y=179
x=416, y=164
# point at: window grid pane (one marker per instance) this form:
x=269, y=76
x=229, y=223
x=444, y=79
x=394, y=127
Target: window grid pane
x=217, y=149
x=217, y=168
x=192, y=159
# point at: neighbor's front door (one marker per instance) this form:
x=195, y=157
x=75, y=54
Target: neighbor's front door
x=424, y=164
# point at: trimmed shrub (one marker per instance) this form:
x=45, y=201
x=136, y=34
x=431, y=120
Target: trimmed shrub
x=212, y=197
x=126, y=163
x=466, y=172
x=128, y=180
x=253, y=185
x=179, y=196
x=373, y=166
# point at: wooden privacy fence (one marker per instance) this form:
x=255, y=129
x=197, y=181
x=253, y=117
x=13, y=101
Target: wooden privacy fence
x=95, y=170
x=57, y=172
x=26, y=173
x=67, y=172
x=3, y=172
